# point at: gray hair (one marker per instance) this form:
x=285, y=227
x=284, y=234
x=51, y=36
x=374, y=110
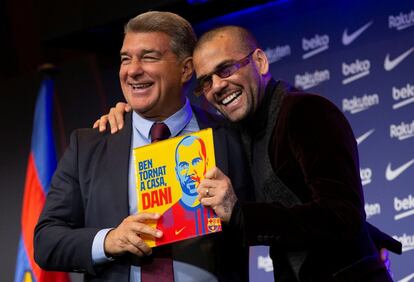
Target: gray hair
x=183, y=38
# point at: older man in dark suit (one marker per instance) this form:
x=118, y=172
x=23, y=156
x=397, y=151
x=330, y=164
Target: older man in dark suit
x=89, y=223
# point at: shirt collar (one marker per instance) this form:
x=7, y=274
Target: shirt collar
x=176, y=122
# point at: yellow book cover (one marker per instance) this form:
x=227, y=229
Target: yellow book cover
x=167, y=175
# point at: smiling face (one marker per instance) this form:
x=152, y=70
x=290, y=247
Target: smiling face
x=151, y=75
x=191, y=164
x=238, y=95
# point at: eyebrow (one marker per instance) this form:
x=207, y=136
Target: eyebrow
x=216, y=68
x=143, y=52
x=158, y=52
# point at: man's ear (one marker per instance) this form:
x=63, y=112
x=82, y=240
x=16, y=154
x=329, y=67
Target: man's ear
x=187, y=69
x=262, y=63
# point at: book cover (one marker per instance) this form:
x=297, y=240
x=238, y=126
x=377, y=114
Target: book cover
x=167, y=175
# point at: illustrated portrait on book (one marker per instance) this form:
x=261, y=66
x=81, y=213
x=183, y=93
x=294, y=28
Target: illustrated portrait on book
x=187, y=217
x=169, y=173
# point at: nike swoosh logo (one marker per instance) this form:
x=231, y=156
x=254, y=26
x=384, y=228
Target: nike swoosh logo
x=407, y=278
x=391, y=174
x=177, y=232
x=364, y=136
x=390, y=64
x=349, y=38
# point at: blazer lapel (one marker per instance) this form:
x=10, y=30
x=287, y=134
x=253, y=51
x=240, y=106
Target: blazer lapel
x=118, y=154
x=205, y=119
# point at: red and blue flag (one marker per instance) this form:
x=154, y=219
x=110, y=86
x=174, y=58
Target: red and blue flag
x=41, y=166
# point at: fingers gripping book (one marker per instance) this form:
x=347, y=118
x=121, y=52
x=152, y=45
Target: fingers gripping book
x=167, y=175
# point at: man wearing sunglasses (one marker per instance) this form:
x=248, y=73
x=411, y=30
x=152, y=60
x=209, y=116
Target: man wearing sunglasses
x=309, y=204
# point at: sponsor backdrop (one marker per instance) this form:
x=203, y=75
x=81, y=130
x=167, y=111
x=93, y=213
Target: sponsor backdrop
x=360, y=55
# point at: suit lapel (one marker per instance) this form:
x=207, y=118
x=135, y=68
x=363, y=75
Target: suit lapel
x=205, y=119
x=118, y=154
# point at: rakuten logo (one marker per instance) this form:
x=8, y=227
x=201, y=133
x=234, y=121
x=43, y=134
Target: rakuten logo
x=359, y=104
x=401, y=21
x=277, y=53
x=404, y=207
x=366, y=175
x=402, y=131
x=265, y=263
x=355, y=70
x=404, y=96
x=309, y=80
x=407, y=241
x=315, y=45
x=372, y=209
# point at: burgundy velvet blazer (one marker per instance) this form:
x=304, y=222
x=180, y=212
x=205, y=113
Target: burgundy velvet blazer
x=313, y=151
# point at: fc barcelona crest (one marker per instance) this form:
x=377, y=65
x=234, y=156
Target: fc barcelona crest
x=213, y=224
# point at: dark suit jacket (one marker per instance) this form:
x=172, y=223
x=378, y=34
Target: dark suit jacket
x=89, y=192
x=312, y=150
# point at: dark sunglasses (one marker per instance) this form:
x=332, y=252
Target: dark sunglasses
x=204, y=84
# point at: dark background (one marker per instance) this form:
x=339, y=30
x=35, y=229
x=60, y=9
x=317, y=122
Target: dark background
x=82, y=39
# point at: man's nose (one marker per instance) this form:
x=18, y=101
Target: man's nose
x=135, y=68
x=217, y=83
x=191, y=170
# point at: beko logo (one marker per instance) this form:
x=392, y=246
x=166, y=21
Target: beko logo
x=407, y=241
x=405, y=94
x=401, y=21
x=315, y=45
x=348, y=38
x=402, y=131
x=366, y=175
x=355, y=70
x=372, y=209
x=404, y=207
x=391, y=174
x=265, y=263
x=309, y=80
x=277, y=53
x=359, y=104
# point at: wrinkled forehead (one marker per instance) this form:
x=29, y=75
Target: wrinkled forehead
x=208, y=56
x=158, y=41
